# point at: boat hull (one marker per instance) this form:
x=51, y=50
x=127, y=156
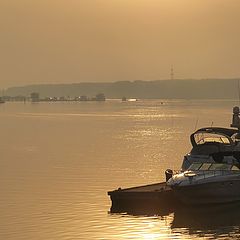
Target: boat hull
x=154, y=198
x=209, y=193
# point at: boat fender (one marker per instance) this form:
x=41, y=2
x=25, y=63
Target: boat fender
x=168, y=174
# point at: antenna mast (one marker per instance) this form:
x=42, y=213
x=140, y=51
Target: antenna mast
x=238, y=92
x=172, y=73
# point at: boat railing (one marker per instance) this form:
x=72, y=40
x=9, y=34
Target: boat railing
x=177, y=171
x=215, y=173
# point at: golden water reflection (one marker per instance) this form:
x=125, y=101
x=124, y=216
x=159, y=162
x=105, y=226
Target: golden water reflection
x=59, y=160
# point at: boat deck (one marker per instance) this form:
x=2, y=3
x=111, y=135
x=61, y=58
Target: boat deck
x=146, y=188
x=148, y=197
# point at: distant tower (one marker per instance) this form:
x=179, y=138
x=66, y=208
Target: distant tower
x=172, y=73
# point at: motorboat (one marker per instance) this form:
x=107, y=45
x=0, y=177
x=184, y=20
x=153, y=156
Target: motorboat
x=2, y=100
x=210, y=173
x=207, y=183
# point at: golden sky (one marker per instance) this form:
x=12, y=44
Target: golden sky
x=65, y=41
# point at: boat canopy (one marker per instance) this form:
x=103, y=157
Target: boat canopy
x=213, y=135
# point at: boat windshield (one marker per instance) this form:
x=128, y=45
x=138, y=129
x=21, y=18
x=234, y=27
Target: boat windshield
x=220, y=166
x=205, y=166
x=205, y=137
x=212, y=167
x=195, y=166
x=235, y=168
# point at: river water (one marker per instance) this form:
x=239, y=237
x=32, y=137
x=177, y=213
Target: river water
x=58, y=160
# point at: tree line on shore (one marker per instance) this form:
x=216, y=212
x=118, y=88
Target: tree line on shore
x=177, y=88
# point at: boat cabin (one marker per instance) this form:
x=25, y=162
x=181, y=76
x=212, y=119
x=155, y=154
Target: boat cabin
x=213, y=144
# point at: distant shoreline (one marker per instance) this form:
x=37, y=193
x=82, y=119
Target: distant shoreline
x=159, y=89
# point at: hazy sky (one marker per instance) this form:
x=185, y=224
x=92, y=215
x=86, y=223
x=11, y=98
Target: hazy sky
x=65, y=41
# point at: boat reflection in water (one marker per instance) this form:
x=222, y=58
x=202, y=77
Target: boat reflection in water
x=214, y=221
x=220, y=220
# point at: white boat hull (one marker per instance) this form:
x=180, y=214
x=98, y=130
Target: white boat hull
x=209, y=193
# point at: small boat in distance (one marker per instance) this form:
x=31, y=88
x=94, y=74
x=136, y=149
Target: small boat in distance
x=132, y=100
x=207, y=183
x=1, y=100
x=124, y=99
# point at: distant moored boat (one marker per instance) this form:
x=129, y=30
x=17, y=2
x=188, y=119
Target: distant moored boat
x=100, y=97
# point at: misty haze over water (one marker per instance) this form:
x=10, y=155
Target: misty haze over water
x=60, y=157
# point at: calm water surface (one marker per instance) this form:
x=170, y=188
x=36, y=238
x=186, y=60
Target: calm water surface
x=58, y=160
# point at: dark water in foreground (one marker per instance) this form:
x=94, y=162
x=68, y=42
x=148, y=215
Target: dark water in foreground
x=58, y=160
